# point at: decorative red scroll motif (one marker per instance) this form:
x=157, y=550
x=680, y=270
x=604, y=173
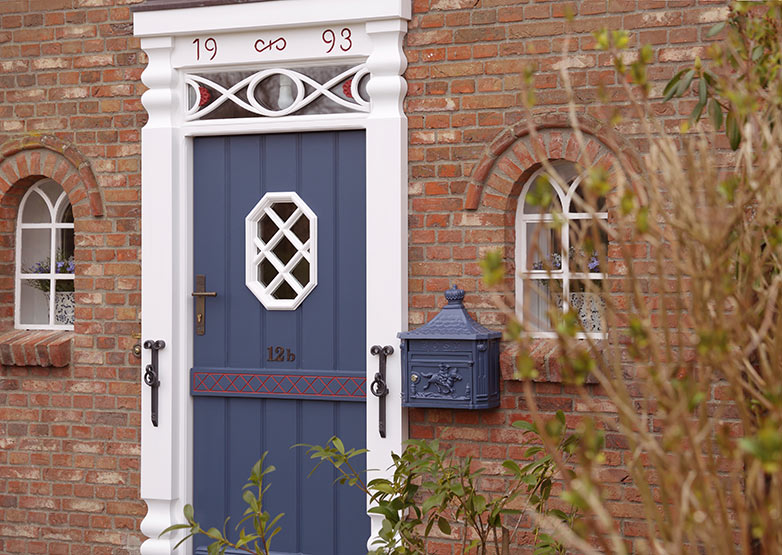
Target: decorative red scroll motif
x=279, y=43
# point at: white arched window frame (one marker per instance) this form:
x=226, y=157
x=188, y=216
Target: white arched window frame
x=546, y=268
x=44, y=259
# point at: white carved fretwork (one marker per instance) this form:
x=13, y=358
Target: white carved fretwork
x=297, y=94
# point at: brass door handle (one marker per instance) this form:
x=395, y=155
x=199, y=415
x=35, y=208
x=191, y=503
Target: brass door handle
x=200, y=305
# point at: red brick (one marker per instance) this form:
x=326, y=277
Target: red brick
x=84, y=84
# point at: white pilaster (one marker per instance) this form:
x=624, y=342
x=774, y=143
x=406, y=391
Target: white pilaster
x=159, y=446
x=386, y=233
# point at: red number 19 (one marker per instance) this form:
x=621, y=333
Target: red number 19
x=210, y=45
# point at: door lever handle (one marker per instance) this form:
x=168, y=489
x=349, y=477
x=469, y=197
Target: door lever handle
x=200, y=295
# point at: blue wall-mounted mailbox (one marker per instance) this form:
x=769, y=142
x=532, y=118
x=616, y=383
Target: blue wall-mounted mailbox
x=451, y=362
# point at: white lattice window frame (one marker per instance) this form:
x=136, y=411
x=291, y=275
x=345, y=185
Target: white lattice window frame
x=56, y=211
x=565, y=193
x=257, y=251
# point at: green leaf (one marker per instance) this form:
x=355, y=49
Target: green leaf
x=183, y=540
x=444, y=526
x=697, y=111
x=732, y=130
x=602, y=39
x=382, y=487
x=268, y=470
x=561, y=515
x=214, y=533
x=575, y=499
x=493, y=267
x=525, y=367
x=526, y=426
x=248, y=497
x=685, y=83
x=702, y=91
x=512, y=466
x=188, y=512
x=627, y=204
x=172, y=528
x=429, y=526
x=275, y=519
x=432, y=502
x=385, y=511
x=338, y=444
x=715, y=112
x=646, y=54
x=670, y=88
x=716, y=29
x=642, y=220
x=727, y=187
x=274, y=533
x=621, y=38
x=256, y=470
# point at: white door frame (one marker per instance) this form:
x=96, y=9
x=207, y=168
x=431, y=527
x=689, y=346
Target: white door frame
x=166, y=184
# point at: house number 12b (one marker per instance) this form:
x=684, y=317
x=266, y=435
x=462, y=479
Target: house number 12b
x=280, y=354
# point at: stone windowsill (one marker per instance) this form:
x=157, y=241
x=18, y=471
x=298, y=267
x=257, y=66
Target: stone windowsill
x=48, y=348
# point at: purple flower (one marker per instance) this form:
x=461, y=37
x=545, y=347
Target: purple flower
x=593, y=264
x=62, y=265
x=556, y=263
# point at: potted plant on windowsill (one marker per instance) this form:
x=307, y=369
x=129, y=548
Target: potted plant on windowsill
x=589, y=305
x=64, y=303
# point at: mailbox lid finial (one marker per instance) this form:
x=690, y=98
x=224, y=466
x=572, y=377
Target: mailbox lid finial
x=452, y=322
x=454, y=295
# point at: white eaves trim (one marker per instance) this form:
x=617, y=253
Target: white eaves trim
x=261, y=15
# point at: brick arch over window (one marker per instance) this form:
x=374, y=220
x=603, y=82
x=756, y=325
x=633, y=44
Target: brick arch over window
x=24, y=161
x=496, y=183
x=497, y=177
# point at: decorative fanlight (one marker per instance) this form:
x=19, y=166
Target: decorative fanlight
x=281, y=239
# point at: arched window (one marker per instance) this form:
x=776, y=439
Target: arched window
x=557, y=250
x=44, y=259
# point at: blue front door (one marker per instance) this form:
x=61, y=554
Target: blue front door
x=264, y=380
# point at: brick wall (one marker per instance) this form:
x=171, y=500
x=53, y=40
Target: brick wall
x=69, y=451
x=71, y=69
x=466, y=59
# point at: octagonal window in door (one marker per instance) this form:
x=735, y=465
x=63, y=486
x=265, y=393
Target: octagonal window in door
x=281, y=238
